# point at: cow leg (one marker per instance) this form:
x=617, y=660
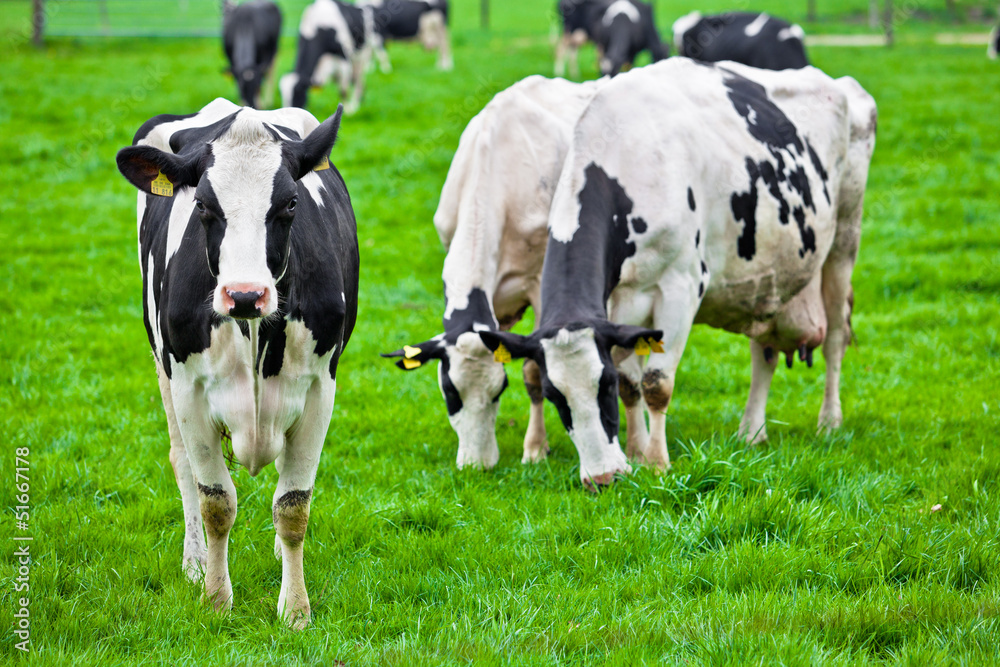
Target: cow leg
x=195, y=556
x=753, y=426
x=536, y=442
x=358, y=65
x=297, y=466
x=562, y=49
x=838, y=300
x=267, y=100
x=636, y=433
x=445, y=61
x=216, y=493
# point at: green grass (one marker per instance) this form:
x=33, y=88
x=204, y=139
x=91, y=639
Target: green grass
x=808, y=550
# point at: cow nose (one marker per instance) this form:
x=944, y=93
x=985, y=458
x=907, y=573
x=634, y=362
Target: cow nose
x=245, y=301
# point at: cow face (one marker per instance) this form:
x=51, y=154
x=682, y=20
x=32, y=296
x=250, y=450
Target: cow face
x=471, y=383
x=579, y=378
x=245, y=184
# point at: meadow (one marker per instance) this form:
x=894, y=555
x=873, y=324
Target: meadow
x=879, y=544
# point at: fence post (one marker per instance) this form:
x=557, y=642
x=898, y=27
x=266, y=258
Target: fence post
x=38, y=22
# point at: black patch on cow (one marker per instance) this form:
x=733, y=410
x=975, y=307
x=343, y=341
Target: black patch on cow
x=579, y=275
x=503, y=388
x=744, y=207
x=214, y=491
x=697, y=238
x=193, y=136
x=628, y=390
x=770, y=125
x=400, y=19
x=723, y=37
x=607, y=398
x=556, y=397
x=271, y=347
x=771, y=178
x=291, y=499
x=289, y=133
x=477, y=311
x=639, y=225
x=818, y=166
x=805, y=232
x=691, y=202
x=451, y=396
x=701, y=290
x=704, y=268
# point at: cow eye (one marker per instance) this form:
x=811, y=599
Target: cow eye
x=200, y=205
x=291, y=205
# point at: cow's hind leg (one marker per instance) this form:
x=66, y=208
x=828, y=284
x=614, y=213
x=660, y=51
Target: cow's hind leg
x=629, y=383
x=536, y=442
x=753, y=426
x=838, y=300
x=297, y=466
x=216, y=493
x=195, y=555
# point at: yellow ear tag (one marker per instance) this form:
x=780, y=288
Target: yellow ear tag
x=162, y=186
x=501, y=354
x=656, y=345
x=323, y=164
x=642, y=347
x=410, y=352
x=410, y=364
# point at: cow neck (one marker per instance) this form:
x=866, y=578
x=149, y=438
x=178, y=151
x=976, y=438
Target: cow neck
x=580, y=273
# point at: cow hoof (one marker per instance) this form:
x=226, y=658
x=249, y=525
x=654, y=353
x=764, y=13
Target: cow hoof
x=830, y=422
x=597, y=483
x=221, y=598
x=535, y=451
x=298, y=614
x=753, y=435
x=478, y=460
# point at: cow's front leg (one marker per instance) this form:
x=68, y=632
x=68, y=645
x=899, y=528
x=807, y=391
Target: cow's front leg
x=636, y=433
x=763, y=362
x=297, y=466
x=536, y=442
x=216, y=493
x=195, y=555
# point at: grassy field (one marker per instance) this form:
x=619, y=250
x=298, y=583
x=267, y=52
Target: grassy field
x=806, y=551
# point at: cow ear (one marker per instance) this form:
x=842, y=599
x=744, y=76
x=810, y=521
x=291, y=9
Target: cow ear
x=516, y=346
x=638, y=338
x=415, y=356
x=142, y=165
x=314, y=151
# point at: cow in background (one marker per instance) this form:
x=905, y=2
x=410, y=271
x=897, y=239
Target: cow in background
x=620, y=29
x=335, y=37
x=492, y=218
x=250, y=35
x=423, y=20
x=757, y=40
x=249, y=259
x=745, y=216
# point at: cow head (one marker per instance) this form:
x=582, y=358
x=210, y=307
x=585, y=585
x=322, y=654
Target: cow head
x=579, y=378
x=245, y=190
x=471, y=383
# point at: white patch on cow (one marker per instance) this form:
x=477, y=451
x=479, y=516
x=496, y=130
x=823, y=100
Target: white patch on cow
x=791, y=32
x=214, y=111
x=153, y=307
x=621, y=7
x=314, y=184
x=574, y=367
x=478, y=326
x=681, y=26
x=758, y=24
x=140, y=211
x=242, y=176
x=180, y=216
x=478, y=380
x=325, y=14
x=343, y=298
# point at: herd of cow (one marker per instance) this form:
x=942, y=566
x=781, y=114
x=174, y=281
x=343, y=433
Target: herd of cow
x=622, y=211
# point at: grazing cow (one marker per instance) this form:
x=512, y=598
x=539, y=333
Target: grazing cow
x=723, y=195
x=621, y=29
x=423, y=20
x=338, y=30
x=994, y=46
x=492, y=219
x=249, y=258
x=250, y=35
x=757, y=40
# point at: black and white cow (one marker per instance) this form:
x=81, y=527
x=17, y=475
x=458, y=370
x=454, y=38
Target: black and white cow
x=621, y=30
x=757, y=40
x=333, y=36
x=724, y=195
x=492, y=218
x=249, y=258
x=250, y=35
x=403, y=20
x=994, y=46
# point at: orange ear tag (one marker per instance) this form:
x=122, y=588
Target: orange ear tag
x=656, y=345
x=323, y=164
x=161, y=186
x=501, y=354
x=642, y=347
x=410, y=364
